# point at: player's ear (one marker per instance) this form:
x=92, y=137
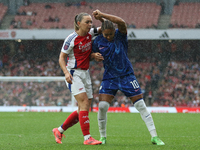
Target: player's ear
x=78, y=23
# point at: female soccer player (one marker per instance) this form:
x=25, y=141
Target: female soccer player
x=118, y=74
x=77, y=47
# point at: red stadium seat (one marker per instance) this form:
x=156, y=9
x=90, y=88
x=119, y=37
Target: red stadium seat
x=142, y=14
x=186, y=14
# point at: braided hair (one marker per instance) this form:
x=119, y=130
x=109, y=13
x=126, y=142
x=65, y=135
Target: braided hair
x=107, y=24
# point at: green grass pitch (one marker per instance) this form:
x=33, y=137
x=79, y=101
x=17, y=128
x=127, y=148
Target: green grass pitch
x=125, y=131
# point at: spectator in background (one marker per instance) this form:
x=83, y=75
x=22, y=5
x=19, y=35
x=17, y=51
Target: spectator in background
x=177, y=2
x=13, y=23
x=29, y=13
x=5, y=60
x=77, y=4
x=48, y=6
x=23, y=13
x=34, y=13
x=19, y=24
x=197, y=25
x=34, y=23
x=83, y=3
x=132, y=25
x=29, y=22
x=26, y=2
x=68, y=3
x=56, y=19
x=150, y=97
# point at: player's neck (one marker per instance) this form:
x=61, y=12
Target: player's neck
x=81, y=33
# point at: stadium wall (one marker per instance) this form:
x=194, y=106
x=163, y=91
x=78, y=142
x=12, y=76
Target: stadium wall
x=133, y=34
x=95, y=109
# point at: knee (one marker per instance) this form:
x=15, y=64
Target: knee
x=103, y=105
x=140, y=105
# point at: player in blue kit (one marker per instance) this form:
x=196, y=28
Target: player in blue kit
x=118, y=74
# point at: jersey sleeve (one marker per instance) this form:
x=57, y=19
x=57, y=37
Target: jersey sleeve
x=95, y=47
x=121, y=36
x=93, y=32
x=67, y=46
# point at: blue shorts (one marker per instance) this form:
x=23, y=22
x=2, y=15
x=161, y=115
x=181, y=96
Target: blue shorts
x=127, y=84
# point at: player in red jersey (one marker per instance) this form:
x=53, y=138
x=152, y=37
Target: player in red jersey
x=77, y=49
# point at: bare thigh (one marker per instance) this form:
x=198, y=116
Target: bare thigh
x=106, y=97
x=83, y=102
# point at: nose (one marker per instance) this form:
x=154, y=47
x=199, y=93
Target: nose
x=90, y=23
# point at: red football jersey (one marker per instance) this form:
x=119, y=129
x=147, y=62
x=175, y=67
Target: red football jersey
x=78, y=49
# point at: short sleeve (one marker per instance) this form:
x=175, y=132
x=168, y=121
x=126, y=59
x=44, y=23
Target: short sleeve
x=67, y=45
x=121, y=36
x=93, y=32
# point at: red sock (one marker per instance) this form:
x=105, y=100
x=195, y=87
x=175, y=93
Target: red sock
x=84, y=122
x=71, y=120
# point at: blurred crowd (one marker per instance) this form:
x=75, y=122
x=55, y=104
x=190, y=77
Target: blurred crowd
x=167, y=78
x=180, y=85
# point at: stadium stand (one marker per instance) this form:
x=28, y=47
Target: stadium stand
x=180, y=85
x=175, y=85
x=37, y=63
x=185, y=15
x=143, y=15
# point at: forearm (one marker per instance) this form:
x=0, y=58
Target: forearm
x=92, y=56
x=101, y=19
x=63, y=65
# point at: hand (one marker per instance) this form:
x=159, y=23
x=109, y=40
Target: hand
x=68, y=78
x=98, y=57
x=97, y=14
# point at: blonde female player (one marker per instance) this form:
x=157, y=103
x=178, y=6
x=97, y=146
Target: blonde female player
x=77, y=47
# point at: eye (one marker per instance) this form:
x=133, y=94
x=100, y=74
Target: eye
x=88, y=22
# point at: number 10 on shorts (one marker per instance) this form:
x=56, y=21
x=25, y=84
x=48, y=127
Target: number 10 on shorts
x=135, y=84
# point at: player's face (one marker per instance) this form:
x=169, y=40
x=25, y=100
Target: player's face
x=86, y=23
x=109, y=34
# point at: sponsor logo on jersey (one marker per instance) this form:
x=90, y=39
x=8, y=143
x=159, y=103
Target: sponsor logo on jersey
x=85, y=47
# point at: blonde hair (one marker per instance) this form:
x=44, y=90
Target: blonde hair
x=78, y=18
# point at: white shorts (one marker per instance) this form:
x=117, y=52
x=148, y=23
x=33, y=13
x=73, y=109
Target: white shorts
x=81, y=83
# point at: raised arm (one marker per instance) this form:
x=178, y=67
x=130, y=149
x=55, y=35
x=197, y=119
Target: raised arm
x=115, y=19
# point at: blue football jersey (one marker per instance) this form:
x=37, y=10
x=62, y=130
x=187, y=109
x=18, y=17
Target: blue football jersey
x=116, y=62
